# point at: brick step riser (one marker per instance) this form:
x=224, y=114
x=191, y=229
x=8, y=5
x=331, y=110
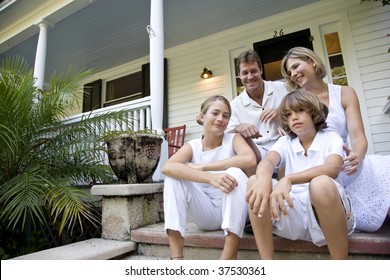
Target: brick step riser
x=161, y=251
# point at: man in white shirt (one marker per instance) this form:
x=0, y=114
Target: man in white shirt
x=254, y=110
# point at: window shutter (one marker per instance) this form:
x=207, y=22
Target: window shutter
x=92, y=97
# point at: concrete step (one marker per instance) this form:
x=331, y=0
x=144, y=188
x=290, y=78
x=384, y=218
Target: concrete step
x=91, y=249
x=206, y=245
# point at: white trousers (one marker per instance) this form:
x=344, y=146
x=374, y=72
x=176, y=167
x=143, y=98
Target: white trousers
x=206, y=206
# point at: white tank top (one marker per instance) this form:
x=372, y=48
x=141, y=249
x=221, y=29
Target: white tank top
x=336, y=119
x=222, y=152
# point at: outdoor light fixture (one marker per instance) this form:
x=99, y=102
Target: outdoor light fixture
x=206, y=74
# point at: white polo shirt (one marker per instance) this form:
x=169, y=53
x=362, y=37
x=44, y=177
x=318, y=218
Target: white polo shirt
x=293, y=156
x=246, y=110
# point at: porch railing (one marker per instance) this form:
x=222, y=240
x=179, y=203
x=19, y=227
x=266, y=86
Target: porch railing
x=137, y=112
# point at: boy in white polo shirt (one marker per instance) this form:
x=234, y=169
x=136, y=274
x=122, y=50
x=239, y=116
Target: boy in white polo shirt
x=308, y=203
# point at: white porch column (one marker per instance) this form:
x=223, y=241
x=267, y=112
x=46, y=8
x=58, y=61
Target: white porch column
x=40, y=57
x=156, y=38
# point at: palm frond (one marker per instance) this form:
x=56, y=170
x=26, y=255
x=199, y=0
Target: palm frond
x=22, y=197
x=69, y=205
x=65, y=90
x=41, y=156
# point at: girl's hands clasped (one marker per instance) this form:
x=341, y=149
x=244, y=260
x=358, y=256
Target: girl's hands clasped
x=223, y=181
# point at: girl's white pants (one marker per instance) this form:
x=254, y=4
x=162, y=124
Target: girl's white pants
x=206, y=206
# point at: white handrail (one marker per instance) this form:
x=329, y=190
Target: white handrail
x=138, y=114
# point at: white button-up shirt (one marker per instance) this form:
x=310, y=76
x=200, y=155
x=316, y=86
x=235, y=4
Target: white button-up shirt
x=246, y=110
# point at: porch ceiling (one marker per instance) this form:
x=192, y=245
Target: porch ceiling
x=105, y=33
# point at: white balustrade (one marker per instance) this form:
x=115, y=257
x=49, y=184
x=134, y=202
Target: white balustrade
x=138, y=114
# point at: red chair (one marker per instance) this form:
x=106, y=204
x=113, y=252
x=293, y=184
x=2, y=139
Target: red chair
x=175, y=138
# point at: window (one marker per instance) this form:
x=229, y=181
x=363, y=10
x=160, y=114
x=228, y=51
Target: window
x=92, y=96
x=239, y=86
x=123, y=89
x=126, y=88
x=335, y=56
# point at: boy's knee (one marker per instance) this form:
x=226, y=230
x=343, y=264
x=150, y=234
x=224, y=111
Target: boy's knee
x=322, y=188
x=320, y=183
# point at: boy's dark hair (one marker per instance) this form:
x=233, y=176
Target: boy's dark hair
x=298, y=100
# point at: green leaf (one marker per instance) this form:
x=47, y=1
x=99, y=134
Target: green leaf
x=43, y=158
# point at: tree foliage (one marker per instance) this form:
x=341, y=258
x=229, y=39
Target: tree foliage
x=43, y=158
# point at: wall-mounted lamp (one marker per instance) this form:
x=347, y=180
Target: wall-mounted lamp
x=206, y=74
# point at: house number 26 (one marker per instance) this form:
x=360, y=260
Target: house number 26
x=280, y=33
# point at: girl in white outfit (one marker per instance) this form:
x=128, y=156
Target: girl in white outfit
x=365, y=177
x=206, y=182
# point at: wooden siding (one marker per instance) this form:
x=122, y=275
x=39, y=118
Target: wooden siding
x=363, y=29
x=187, y=90
x=370, y=24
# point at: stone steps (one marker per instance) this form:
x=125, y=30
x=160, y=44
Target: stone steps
x=132, y=228
x=91, y=249
x=153, y=243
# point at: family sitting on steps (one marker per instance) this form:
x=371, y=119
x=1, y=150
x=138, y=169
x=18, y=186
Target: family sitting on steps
x=279, y=154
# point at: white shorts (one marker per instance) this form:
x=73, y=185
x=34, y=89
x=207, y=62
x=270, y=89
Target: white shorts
x=301, y=223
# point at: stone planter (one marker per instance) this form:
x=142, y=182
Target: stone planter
x=134, y=157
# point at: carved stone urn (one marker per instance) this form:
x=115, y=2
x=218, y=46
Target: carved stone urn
x=134, y=157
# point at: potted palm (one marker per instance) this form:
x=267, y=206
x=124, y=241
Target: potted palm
x=42, y=158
